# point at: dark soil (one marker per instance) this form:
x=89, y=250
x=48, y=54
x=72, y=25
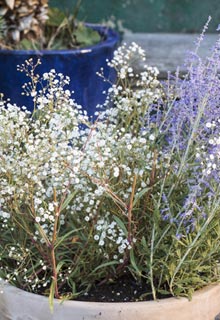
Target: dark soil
x=124, y=289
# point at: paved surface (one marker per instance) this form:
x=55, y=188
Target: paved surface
x=168, y=50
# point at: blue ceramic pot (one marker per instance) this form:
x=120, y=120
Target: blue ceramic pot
x=80, y=65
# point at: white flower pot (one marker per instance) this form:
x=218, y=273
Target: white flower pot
x=16, y=304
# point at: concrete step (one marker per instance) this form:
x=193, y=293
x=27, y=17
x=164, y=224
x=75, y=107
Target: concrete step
x=167, y=51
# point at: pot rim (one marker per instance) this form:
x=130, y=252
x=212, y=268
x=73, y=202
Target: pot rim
x=196, y=295
x=111, y=38
x=16, y=303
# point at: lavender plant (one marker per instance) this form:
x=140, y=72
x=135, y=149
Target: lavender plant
x=136, y=191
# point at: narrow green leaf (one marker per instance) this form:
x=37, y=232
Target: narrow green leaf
x=42, y=233
x=164, y=292
x=120, y=223
x=133, y=262
x=59, y=266
x=72, y=284
x=139, y=195
x=68, y=200
x=107, y=264
x=63, y=238
x=144, y=243
x=51, y=296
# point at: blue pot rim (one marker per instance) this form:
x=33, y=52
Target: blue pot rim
x=111, y=38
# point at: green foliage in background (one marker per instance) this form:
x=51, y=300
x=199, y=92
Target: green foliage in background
x=149, y=15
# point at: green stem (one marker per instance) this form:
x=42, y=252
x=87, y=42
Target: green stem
x=151, y=263
x=131, y=207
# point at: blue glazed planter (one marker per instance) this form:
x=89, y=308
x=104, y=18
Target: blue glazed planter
x=80, y=65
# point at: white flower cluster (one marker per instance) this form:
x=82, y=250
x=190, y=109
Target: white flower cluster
x=51, y=152
x=37, y=152
x=59, y=172
x=109, y=234
x=4, y=216
x=125, y=62
x=210, y=157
